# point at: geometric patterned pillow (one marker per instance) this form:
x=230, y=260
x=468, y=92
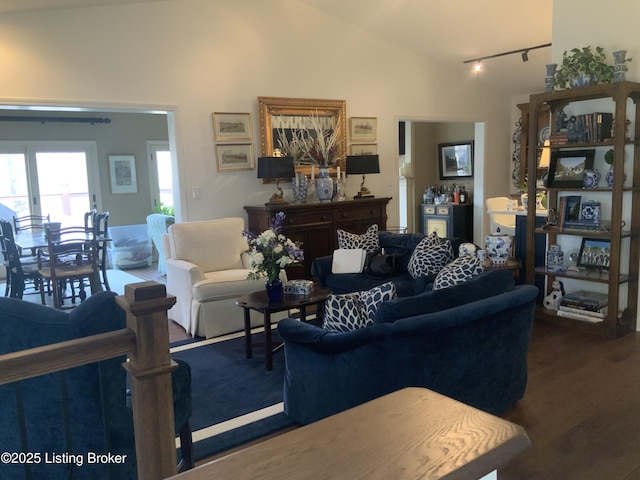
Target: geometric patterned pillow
x=342, y=313
x=351, y=311
x=458, y=271
x=368, y=241
x=428, y=259
x=371, y=300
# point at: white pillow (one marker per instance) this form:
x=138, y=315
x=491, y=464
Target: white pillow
x=348, y=260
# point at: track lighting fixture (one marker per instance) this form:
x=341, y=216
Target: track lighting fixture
x=523, y=51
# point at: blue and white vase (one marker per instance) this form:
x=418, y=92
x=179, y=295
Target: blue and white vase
x=300, y=188
x=324, y=185
x=591, y=179
x=498, y=247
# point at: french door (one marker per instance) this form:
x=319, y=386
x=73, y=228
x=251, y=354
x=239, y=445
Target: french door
x=160, y=174
x=59, y=179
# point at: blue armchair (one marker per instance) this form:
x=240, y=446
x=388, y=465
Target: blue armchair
x=75, y=411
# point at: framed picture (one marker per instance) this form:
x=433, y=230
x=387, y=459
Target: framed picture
x=231, y=126
x=232, y=157
x=363, y=129
x=567, y=168
x=456, y=159
x=122, y=169
x=363, y=149
x=594, y=253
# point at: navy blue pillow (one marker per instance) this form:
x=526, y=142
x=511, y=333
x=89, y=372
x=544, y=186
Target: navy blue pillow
x=487, y=284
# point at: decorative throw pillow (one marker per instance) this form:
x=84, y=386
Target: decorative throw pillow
x=342, y=313
x=368, y=241
x=372, y=299
x=429, y=256
x=351, y=311
x=459, y=271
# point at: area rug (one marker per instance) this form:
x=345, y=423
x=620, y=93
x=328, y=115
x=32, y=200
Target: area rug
x=235, y=400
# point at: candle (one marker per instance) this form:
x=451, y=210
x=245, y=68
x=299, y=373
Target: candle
x=297, y=185
x=338, y=174
x=344, y=176
x=313, y=173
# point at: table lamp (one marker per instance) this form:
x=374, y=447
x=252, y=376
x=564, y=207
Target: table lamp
x=276, y=167
x=363, y=164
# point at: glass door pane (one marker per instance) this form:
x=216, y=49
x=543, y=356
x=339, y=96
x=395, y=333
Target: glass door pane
x=14, y=187
x=63, y=186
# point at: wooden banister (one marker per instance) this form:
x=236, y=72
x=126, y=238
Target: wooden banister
x=146, y=341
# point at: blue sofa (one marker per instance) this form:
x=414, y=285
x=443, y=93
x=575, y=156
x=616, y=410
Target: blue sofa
x=473, y=352
x=401, y=244
x=84, y=409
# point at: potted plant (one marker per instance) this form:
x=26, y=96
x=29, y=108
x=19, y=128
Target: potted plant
x=582, y=67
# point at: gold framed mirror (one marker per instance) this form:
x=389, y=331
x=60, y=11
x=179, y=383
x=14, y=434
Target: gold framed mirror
x=272, y=111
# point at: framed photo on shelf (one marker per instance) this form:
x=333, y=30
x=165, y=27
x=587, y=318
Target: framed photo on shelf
x=122, y=172
x=231, y=126
x=363, y=129
x=567, y=168
x=456, y=160
x=594, y=253
x=234, y=157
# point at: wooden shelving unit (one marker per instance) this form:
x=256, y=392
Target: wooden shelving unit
x=624, y=201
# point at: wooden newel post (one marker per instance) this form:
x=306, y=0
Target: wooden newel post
x=146, y=304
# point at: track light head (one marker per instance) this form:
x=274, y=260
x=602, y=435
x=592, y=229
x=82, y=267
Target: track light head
x=525, y=56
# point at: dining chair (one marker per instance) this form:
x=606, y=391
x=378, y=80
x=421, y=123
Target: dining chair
x=6, y=231
x=30, y=222
x=90, y=219
x=101, y=227
x=21, y=279
x=72, y=255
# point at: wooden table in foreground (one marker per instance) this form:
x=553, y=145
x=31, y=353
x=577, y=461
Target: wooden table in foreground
x=413, y=433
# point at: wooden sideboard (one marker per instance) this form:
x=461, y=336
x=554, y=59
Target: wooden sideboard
x=316, y=224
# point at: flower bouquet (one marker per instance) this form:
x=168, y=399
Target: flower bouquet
x=271, y=251
x=320, y=145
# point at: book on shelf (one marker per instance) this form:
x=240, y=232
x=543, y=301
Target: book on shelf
x=579, y=316
x=587, y=298
x=599, y=313
x=582, y=306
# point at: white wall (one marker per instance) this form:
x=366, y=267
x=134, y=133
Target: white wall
x=201, y=56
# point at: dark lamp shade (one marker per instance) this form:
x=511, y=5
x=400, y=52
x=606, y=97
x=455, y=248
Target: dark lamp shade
x=276, y=167
x=357, y=164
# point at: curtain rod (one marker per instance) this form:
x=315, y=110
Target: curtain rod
x=18, y=118
x=520, y=50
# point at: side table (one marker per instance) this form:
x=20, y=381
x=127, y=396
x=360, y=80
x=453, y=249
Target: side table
x=512, y=264
x=259, y=302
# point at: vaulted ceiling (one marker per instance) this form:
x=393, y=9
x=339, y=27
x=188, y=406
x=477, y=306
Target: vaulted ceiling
x=447, y=31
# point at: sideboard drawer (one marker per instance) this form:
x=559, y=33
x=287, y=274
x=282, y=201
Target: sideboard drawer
x=443, y=210
x=307, y=218
x=359, y=213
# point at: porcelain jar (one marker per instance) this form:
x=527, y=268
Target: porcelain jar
x=591, y=178
x=498, y=247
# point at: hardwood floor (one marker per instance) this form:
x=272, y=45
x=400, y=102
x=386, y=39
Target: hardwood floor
x=581, y=409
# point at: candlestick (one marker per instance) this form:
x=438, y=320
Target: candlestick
x=313, y=173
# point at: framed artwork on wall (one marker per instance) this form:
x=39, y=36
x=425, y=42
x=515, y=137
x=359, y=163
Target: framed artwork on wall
x=456, y=160
x=231, y=126
x=234, y=157
x=363, y=129
x=363, y=149
x=122, y=170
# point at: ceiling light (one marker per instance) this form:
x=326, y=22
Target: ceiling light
x=477, y=67
x=523, y=51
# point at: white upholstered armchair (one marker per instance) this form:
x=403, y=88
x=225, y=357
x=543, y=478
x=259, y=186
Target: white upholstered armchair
x=206, y=271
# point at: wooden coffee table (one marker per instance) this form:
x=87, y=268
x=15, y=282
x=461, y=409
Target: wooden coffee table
x=259, y=302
